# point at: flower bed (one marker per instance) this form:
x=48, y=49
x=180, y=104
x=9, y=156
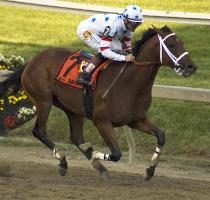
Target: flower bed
x=15, y=108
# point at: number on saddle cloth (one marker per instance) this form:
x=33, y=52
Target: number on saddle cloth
x=88, y=56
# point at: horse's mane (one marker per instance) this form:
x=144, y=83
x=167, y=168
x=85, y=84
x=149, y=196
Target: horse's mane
x=146, y=36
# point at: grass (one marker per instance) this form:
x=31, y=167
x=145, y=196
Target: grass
x=20, y=141
x=26, y=32
x=167, y=5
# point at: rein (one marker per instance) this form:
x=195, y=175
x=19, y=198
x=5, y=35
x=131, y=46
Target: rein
x=144, y=63
x=115, y=79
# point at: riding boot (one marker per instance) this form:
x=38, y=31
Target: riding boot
x=85, y=76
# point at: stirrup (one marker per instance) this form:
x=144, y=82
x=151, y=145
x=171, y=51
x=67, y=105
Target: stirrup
x=84, y=82
x=84, y=79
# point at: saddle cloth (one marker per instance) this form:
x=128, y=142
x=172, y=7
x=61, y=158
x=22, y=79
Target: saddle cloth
x=69, y=71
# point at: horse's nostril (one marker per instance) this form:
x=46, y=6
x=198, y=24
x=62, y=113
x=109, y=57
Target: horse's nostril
x=192, y=67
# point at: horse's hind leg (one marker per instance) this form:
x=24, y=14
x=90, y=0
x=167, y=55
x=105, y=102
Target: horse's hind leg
x=39, y=131
x=146, y=126
x=76, y=137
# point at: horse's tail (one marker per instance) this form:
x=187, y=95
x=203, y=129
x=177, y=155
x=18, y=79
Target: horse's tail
x=13, y=79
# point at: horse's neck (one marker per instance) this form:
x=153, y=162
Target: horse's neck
x=142, y=77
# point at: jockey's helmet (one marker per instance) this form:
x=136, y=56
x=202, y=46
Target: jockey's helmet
x=133, y=13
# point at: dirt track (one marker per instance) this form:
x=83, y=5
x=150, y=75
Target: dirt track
x=34, y=176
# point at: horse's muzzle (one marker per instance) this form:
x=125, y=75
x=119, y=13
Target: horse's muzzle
x=189, y=70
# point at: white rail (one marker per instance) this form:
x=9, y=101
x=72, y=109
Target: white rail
x=181, y=93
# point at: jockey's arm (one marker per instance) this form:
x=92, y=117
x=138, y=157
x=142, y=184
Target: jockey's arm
x=107, y=52
x=127, y=43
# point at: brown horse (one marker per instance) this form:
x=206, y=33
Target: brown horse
x=126, y=102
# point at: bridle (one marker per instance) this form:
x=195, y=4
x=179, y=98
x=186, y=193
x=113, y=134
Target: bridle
x=177, y=67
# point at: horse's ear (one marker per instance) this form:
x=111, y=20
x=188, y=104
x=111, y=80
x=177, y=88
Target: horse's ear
x=166, y=29
x=156, y=29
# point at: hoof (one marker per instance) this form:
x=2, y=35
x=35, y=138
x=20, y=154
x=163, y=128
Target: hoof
x=149, y=173
x=62, y=170
x=104, y=172
x=100, y=168
x=146, y=177
x=105, y=175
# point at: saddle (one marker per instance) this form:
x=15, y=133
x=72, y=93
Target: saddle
x=74, y=64
x=70, y=70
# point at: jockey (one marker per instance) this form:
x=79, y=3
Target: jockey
x=110, y=35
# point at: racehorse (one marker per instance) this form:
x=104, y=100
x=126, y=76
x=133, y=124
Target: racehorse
x=126, y=102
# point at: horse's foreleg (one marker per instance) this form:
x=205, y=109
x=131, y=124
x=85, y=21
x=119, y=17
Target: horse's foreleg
x=146, y=126
x=39, y=131
x=108, y=134
x=76, y=137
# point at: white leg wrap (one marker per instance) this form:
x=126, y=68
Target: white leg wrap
x=57, y=154
x=155, y=157
x=157, y=150
x=100, y=156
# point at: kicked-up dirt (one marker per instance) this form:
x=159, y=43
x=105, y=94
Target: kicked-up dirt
x=34, y=176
